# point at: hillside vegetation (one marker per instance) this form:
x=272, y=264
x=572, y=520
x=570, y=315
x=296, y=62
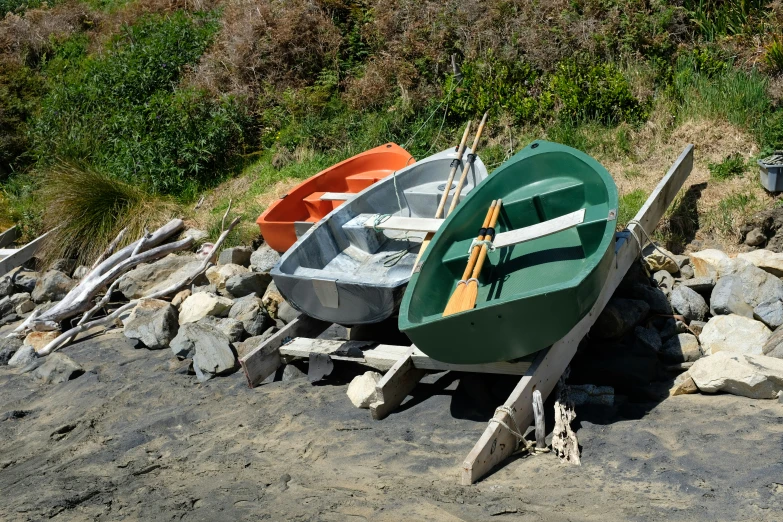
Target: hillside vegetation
x=165, y=101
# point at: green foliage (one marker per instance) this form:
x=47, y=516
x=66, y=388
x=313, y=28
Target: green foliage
x=124, y=115
x=716, y=18
x=729, y=212
x=773, y=55
x=709, y=61
x=732, y=166
x=20, y=92
x=18, y=6
x=629, y=205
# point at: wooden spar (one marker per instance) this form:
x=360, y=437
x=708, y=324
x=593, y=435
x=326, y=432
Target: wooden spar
x=21, y=255
x=496, y=443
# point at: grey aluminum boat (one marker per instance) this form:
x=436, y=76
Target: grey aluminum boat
x=345, y=270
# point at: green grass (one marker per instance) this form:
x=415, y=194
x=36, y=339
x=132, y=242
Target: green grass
x=629, y=205
x=733, y=166
x=730, y=212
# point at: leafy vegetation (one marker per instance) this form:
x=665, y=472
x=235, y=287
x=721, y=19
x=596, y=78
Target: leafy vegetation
x=734, y=165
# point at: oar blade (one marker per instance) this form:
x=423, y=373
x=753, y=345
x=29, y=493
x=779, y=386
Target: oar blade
x=455, y=301
x=469, y=296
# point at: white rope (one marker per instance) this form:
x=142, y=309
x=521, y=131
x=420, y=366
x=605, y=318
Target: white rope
x=648, y=240
x=515, y=431
x=481, y=242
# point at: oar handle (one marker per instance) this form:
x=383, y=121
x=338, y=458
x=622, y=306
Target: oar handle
x=474, y=252
x=460, y=152
x=483, y=253
x=468, y=165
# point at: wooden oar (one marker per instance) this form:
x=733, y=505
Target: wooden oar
x=455, y=301
x=470, y=294
x=442, y=205
x=469, y=164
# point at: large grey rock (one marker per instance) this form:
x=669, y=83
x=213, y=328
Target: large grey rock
x=52, y=286
x=241, y=285
x=292, y=373
x=697, y=326
x=66, y=266
x=197, y=235
x=153, y=322
x=39, y=340
x=766, y=260
x=648, y=338
x=759, y=286
x=149, y=278
x=80, y=272
x=769, y=313
x=250, y=311
x=202, y=304
x=662, y=259
x=231, y=327
x=664, y=280
x=755, y=238
x=6, y=306
x=681, y=348
x=264, y=259
x=26, y=281
x=754, y=376
x=20, y=298
x=8, y=347
x=728, y=298
x=287, y=313
x=686, y=272
x=219, y=275
x=209, y=347
x=236, y=256
x=654, y=297
x=708, y=263
x=271, y=299
x=23, y=356
x=58, y=368
x=6, y=286
x=689, y=304
x=734, y=333
x=774, y=345
x=619, y=317
x=702, y=285
x=251, y=343
x=361, y=391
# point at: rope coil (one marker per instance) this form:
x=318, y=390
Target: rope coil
x=481, y=242
x=647, y=238
x=515, y=431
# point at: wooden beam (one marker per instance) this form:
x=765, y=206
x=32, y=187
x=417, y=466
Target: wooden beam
x=384, y=356
x=9, y=236
x=21, y=255
x=398, y=382
x=497, y=443
x=546, y=228
x=265, y=359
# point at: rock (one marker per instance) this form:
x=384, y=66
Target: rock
x=664, y=280
x=80, y=272
x=235, y=256
x=755, y=238
x=682, y=261
x=654, y=297
x=292, y=373
x=662, y=259
x=771, y=262
x=683, y=384
x=728, y=298
x=52, y=286
x=8, y=319
x=697, y=326
x=180, y=297
x=7, y=287
x=769, y=313
x=153, y=323
x=582, y=394
x=619, y=317
x=702, y=285
x=241, y=285
x=209, y=347
x=231, y=327
x=287, y=313
x=758, y=286
x=680, y=327
x=361, y=391
x=251, y=343
x=25, y=307
x=754, y=376
x=149, y=278
x=39, y=340
x=197, y=235
x=666, y=326
x=19, y=298
x=66, y=266
x=201, y=305
x=708, y=263
x=264, y=259
x=271, y=299
x=26, y=281
x=683, y=347
x=218, y=275
x=250, y=311
x=6, y=306
x=209, y=289
x=774, y=345
x=8, y=347
x=23, y=356
x=686, y=272
x=734, y=333
x=58, y=368
x=689, y=304
x=648, y=338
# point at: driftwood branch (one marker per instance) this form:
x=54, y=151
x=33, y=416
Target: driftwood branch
x=109, y=249
x=176, y=287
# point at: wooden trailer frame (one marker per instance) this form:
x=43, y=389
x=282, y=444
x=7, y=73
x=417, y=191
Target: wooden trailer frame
x=406, y=365
x=10, y=258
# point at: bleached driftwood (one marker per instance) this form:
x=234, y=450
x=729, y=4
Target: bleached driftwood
x=538, y=414
x=176, y=287
x=80, y=299
x=564, y=441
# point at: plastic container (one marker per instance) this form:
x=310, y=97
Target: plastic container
x=771, y=174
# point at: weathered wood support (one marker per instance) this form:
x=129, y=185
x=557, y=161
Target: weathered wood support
x=21, y=255
x=395, y=385
x=496, y=444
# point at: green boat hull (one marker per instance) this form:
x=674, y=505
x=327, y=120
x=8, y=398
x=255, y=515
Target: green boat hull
x=530, y=294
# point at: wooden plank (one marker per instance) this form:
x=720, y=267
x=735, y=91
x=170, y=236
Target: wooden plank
x=7, y=251
x=547, y=228
x=384, y=356
x=9, y=236
x=265, y=359
x=409, y=224
x=21, y=255
x=496, y=443
x=395, y=385
x=337, y=196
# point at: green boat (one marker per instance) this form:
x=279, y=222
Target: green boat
x=554, y=247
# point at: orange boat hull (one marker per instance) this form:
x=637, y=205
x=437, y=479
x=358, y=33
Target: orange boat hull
x=304, y=203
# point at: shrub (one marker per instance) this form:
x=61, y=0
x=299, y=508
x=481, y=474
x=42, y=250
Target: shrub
x=773, y=55
x=20, y=90
x=732, y=166
x=715, y=18
x=16, y=6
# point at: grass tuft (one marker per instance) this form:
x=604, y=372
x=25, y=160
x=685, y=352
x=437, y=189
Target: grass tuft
x=733, y=166
x=629, y=205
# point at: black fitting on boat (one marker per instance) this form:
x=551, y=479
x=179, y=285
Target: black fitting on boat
x=490, y=234
x=454, y=163
x=471, y=158
x=483, y=232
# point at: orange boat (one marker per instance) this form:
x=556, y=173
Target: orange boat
x=291, y=215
